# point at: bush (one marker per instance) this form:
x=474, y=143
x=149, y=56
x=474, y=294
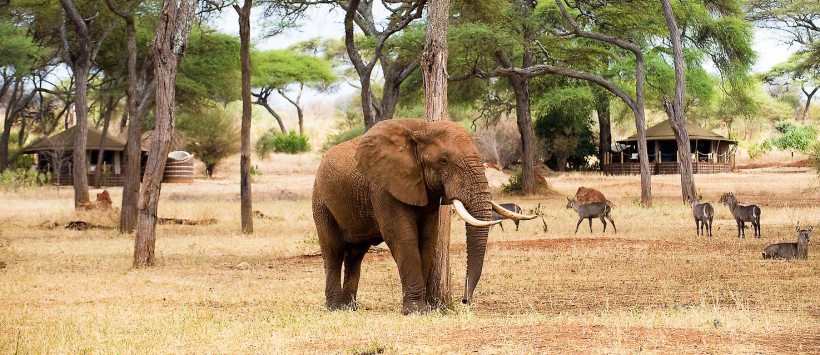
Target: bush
x=757, y=150
x=343, y=136
x=212, y=135
x=568, y=138
x=514, y=183
x=795, y=138
x=278, y=142
x=815, y=158
x=22, y=178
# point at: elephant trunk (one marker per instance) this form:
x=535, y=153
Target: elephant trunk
x=479, y=206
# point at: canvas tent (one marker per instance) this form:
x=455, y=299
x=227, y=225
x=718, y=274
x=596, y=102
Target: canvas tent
x=710, y=152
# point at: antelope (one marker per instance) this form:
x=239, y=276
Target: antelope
x=799, y=250
x=512, y=207
x=591, y=210
x=742, y=214
x=704, y=213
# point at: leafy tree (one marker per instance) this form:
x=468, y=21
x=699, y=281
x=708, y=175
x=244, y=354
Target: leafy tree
x=801, y=138
x=278, y=142
x=210, y=69
x=286, y=71
x=211, y=135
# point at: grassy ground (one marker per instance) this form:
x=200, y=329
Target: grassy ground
x=653, y=286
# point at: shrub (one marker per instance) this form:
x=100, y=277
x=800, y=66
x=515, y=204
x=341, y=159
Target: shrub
x=22, y=178
x=795, y=137
x=212, y=135
x=757, y=150
x=343, y=136
x=815, y=157
x=278, y=142
x=514, y=183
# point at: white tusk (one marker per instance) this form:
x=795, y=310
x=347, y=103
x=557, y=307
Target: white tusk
x=510, y=214
x=467, y=217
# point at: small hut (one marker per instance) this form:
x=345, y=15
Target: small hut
x=709, y=152
x=54, y=155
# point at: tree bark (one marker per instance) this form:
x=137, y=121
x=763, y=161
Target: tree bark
x=674, y=109
x=262, y=100
x=81, y=65
x=246, y=198
x=809, y=96
x=604, y=124
x=521, y=87
x=434, y=71
x=172, y=32
x=7, y=124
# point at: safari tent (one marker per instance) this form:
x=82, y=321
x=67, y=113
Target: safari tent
x=54, y=154
x=709, y=152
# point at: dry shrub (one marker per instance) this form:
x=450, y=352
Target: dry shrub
x=500, y=144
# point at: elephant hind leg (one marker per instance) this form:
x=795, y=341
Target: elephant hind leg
x=354, y=253
x=333, y=252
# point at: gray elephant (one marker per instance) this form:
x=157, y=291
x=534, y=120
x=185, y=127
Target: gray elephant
x=387, y=186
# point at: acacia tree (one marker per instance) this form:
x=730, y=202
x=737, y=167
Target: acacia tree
x=395, y=70
x=171, y=35
x=283, y=71
x=674, y=108
x=246, y=206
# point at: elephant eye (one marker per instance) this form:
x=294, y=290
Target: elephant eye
x=443, y=161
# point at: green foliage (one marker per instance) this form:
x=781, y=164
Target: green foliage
x=13, y=179
x=815, y=157
x=211, y=135
x=17, y=49
x=757, y=150
x=209, y=70
x=513, y=185
x=564, y=124
x=343, y=136
x=795, y=137
x=282, y=67
x=278, y=142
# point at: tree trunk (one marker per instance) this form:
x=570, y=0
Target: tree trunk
x=434, y=71
x=81, y=66
x=674, y=109
x=264, y=103
x=640, y=126
x=246, y=207
x=108, y=111
x=367, y=102
x=809, y=96
x=604, y=124
x=173, y=28
x=7, y=123
x=523, y=116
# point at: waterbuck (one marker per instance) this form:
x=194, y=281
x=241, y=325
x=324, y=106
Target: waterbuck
x=704, y=214
x=799, y=250
x=512, y=207
x=742, y=214
x=591, y=210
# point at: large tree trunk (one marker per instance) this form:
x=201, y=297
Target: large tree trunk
x=135, y=101
x=246, y=207
x=674, y=109
x=7, y=124
x=81, y=66
x=521, y=88
x=434, y=71
x=809, y=96
x=604, y=124
x=640, y=125
x=173, y=28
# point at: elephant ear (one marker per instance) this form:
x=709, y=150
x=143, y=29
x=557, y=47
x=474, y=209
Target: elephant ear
x=387, y=156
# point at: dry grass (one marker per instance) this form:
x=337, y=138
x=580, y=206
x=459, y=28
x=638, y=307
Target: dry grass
x=654, y=286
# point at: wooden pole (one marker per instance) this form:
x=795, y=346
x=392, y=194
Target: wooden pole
x=434, y=70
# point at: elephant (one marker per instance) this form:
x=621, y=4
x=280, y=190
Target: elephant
x=387, y=186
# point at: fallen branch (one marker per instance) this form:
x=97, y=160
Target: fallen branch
x=187, y=222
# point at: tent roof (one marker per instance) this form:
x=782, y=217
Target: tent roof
x=663, y=131
x=65, y=140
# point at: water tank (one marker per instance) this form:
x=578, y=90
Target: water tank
x=179, y=168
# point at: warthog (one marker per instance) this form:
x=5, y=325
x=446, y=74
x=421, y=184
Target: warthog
x=742, y=214
x=512, y=207
x=704, y=213
x=799, y=250
x=591, y=210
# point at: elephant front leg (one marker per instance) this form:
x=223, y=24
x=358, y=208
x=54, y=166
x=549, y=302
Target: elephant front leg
x=332, y=244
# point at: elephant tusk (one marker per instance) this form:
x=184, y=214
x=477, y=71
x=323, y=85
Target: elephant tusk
x=510, y=214
x=467, y=217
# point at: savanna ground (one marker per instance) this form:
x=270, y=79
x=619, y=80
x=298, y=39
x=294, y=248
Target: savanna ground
x=654, y=286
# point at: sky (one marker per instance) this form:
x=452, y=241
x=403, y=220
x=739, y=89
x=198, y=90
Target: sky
x=326, y=22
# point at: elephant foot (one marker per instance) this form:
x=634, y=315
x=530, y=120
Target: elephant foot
x=410, y=307
x=341, y=306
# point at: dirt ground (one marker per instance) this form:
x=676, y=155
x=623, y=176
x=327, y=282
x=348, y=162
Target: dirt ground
x=653, y=287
